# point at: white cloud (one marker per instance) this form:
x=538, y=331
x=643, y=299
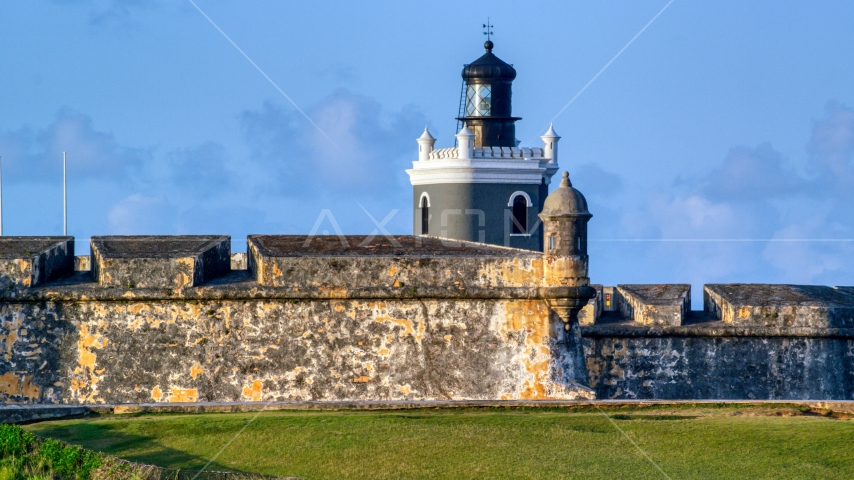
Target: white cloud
x=112, y=12
x=139, y=214
x=202, y=171
x=750, y=174
x=597, y=181
x=755, y=194
x=832, y=145
x=291, y=175
x=368, y=150
x=36, y=155
x=808, y=261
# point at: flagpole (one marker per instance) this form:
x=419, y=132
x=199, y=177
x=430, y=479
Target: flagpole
x=64, y=197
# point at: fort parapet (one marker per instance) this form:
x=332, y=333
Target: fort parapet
x=809, y=306
x=309, y=319
x=297, y=318
x=751, y=341
x=32, y=261
x=159, y=261
x=371, y=262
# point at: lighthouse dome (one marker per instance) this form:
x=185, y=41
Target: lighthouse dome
x=488, y=68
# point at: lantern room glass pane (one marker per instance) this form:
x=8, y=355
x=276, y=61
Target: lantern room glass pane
x=478, y=100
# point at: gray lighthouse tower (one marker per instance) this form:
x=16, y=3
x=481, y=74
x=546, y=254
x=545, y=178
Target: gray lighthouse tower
x=486, y=189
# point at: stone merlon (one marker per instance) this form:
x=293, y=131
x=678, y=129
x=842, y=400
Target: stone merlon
x=781, y=305
x=32, y=261
x=655, y=304
x=159, y=261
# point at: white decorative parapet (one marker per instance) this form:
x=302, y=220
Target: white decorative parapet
x=508, y=152
x=443, y=153
x=467, y=164
x=490, y=152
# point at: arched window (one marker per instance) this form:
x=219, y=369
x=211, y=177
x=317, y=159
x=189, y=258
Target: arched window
x=520, y=215
x=425, y=214
x=519, y=203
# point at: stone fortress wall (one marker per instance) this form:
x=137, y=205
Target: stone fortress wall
x=750, y=341
x=327, y=318
x=166, y=319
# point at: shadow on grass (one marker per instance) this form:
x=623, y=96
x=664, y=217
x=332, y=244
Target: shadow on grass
x=622, y=416
x=110, y=440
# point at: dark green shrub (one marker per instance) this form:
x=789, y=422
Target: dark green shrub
x=25, y=452
x=69, y=461
x=15, y=442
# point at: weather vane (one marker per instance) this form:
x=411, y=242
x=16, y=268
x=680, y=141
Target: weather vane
x=487, y=29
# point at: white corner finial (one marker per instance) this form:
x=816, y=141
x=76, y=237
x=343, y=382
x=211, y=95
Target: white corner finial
x=465, y=145
x=551, y=132
x=550, y=139
x=426, y=135
x=425, y=144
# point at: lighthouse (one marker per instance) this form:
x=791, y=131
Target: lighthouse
x=488, y=188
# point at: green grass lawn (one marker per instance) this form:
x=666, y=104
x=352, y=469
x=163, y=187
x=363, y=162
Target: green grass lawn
x=747, y=442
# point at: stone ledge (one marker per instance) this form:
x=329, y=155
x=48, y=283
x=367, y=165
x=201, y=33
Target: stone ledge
x=711, y=329
x=82, y=263
x=407, y=246
x=238, y=286
x=35, y=413
x=30, y=413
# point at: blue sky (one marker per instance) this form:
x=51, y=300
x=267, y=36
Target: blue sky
x=723, y=120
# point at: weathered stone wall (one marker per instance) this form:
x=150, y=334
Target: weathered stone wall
x=162, y=319
x=593, y=309
x=765, y=363
x=403, y=318
x=237, y=341
x=135, y=351
x=277, y=262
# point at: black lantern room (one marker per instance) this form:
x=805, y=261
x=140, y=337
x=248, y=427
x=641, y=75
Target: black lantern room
x=486, y=103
